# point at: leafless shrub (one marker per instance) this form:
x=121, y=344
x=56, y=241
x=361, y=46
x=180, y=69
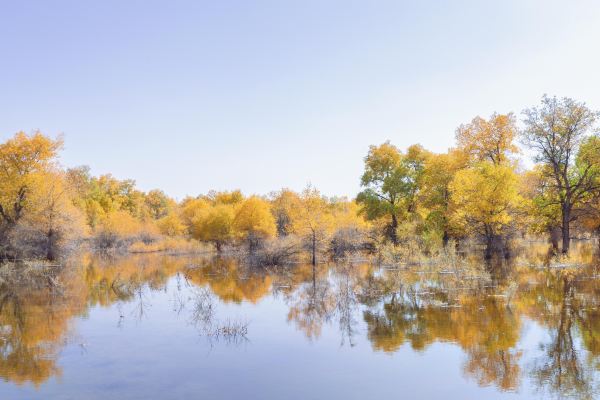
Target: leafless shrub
x=108, y=240
x=277, y=252
x=203, y=310
x=203, y=317
x=349, y=240
x=231, y=331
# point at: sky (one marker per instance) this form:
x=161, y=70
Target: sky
x=188, y=96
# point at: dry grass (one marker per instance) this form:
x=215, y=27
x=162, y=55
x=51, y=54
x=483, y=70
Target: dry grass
x=170, y=245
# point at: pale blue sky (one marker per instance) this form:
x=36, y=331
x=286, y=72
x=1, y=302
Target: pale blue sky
x=189, y=96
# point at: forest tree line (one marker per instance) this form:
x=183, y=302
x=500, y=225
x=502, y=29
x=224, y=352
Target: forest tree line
x=478, y=190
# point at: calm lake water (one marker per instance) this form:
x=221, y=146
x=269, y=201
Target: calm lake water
x=167, y=327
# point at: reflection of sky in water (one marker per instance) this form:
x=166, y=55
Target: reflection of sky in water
x=149, y=346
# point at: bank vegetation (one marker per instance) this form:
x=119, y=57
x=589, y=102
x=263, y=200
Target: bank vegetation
x=414, y=203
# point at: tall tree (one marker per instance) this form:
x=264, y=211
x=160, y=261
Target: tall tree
x=488, y=140
x=556, y=131
x=22, y=158
x=392, y=181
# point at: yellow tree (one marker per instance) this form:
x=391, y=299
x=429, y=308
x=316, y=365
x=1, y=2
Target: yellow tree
x=488, y=140
x=438, y=173
x=52, y=216
x=171, y=225
x=157, y=203
x=232, y=198
x=392, y=181
x=116, y=226
x=21, y=158
x=254, y=221
x=312, y=219
x=214, y=224
x=190, y=208
x=484, y=201
x=282, y=203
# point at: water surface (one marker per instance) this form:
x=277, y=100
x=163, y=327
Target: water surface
x=166, y=327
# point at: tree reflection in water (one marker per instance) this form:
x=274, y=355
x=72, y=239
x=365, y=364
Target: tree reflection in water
x=480, y=308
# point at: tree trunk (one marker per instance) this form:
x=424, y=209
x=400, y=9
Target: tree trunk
x=393, y=231
x=555, y=234
x=50, y=251
x=314, y=249
x=445, y=239
x=566, y=234
x=489, y=243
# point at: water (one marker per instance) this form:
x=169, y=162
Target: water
x=164, y=327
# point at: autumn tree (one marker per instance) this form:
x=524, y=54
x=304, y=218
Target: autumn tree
x=189, y=209
x=214, y=224
x=484, y=201
x=52, y=220
x=557, y=131
x=438, y=173
x=282, y=204
x=171, y=225
x=391, y=181
x=541, y=209
x=22, y=158
x=254, y=222
x=489, y=140
x=231, y=198
x=157, y=203
x=116, y=228
x=312, y=219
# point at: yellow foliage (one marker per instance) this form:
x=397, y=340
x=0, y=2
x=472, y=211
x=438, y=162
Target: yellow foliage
x=51, y=208
x=254, y=217
x=484, y=198
x=121, y=223
x=346, y=215
x=488, y=140
x=313, y=216
x=171, y=225
x=214, y=224
x=190, y=208
x=20, y=159
x=282, y=204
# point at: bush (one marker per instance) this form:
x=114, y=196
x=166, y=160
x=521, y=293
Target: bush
x=281, y=251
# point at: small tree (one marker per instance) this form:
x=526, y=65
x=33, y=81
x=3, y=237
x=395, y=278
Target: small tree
x=52, y=220
x=282, y=204
x=312, y=219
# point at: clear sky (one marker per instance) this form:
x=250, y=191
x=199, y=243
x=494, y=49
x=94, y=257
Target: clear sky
x=189, y=96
